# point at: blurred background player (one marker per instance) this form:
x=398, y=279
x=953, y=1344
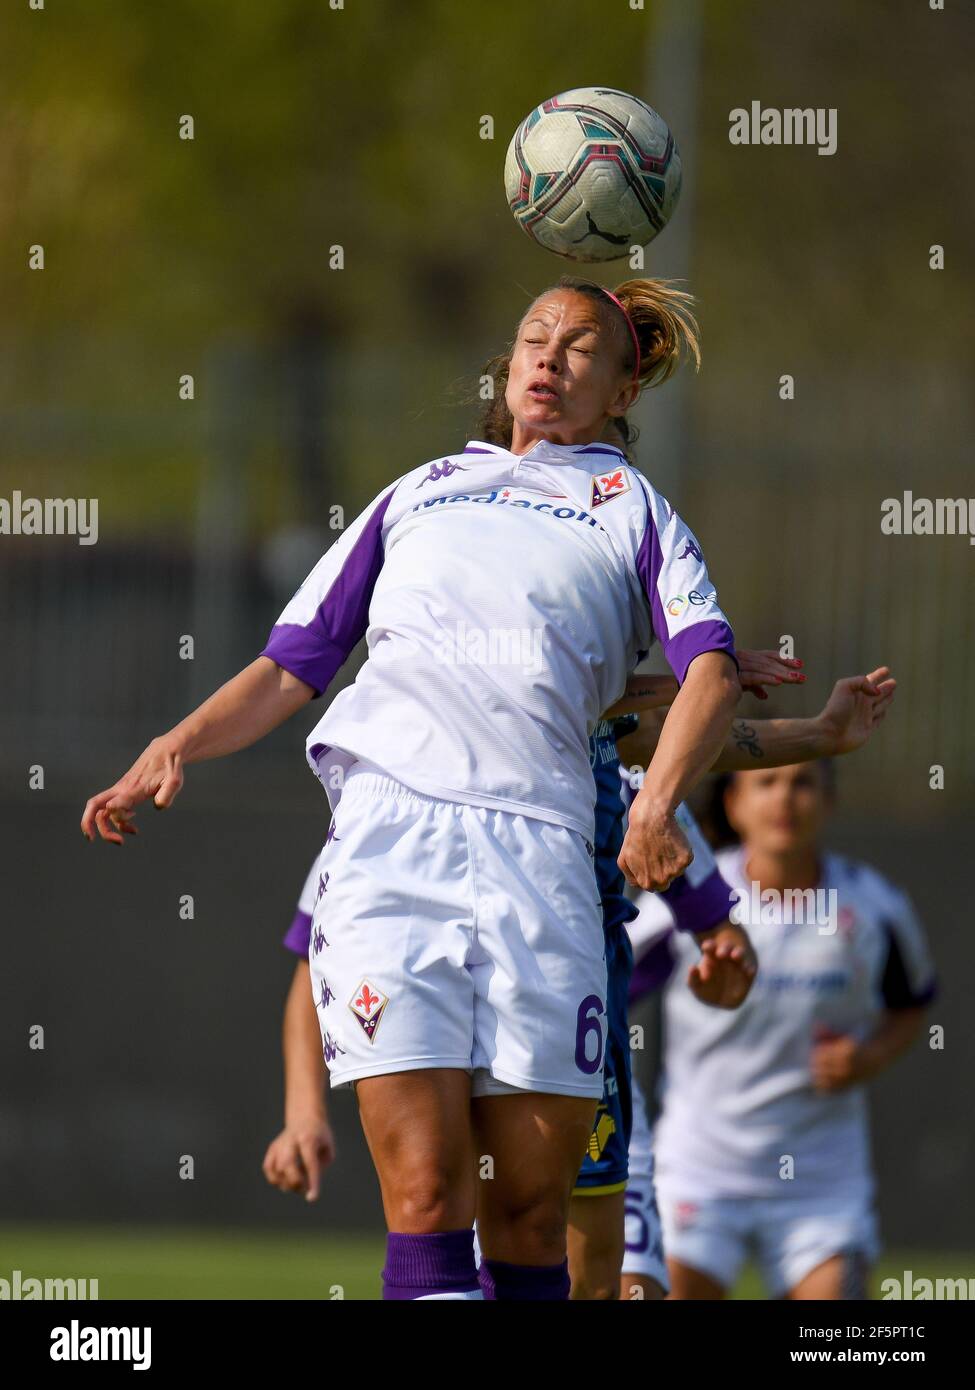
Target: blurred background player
x=762, y=1145
x=856, y=707
x=297, y=1158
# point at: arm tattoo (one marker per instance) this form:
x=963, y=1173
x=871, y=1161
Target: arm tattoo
x=746, y=738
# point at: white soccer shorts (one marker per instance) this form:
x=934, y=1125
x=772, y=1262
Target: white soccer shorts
x=449, y=935
x=644, y=1252
x=788, y=1236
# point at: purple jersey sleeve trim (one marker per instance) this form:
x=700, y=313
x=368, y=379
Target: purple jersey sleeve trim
x=312, y=659
x=649, y=562
x=298, y=936
x=315, y=651
x=652, y=970
x=701, y=908
x=681, y=649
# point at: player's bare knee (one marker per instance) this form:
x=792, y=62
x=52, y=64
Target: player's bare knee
x=428, y=1202
x=539, y=1229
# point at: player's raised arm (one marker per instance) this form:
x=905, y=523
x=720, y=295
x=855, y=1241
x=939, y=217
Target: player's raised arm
x=756, y=669
x=257, y=700
x=655, y=850
x=642, y=694
x=854, y=711
x=309, y=643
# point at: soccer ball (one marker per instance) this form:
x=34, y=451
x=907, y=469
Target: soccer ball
x=591, y=173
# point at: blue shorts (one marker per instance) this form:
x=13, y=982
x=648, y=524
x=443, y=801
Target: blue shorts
x=605, y=1167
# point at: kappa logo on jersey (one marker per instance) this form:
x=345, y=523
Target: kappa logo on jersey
x=327, y=995
x=691, y=549
x=440, y=470
x=319, y=940
x=606, y=486
x=368, y=1004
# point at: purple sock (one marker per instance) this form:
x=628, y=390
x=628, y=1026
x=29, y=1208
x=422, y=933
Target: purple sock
x=429, y=1266
x=524, y=1283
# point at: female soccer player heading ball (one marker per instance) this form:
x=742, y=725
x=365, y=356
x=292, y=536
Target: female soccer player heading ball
x=457, y=949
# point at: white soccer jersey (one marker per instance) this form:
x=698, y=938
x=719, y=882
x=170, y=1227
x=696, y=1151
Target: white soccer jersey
x=504, y=599
x=737, y=1096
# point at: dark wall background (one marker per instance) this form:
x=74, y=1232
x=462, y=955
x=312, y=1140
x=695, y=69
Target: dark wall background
x=162, y=1035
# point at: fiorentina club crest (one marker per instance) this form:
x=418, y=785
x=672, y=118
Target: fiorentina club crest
x=606, y=486
x=368, y=1004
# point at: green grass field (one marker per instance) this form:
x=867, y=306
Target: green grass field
x=225, y=1264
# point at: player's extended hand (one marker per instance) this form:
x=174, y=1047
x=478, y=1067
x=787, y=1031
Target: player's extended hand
x=157, y=774
x=758, y=669
x=655, y=850
x=835, y=1062
x=297, y=1158
x=856, y=707
x=728, y=965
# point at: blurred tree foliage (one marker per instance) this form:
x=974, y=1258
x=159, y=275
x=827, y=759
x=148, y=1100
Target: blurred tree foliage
x=314, y=127
x=360, y=127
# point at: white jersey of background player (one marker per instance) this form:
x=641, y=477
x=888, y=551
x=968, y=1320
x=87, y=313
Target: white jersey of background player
x=748, y=1154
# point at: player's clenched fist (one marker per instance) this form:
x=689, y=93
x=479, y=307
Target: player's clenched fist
x=158, y=774
x=655, y=850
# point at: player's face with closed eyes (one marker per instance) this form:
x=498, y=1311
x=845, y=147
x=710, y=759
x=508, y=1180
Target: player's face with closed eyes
x=567, y=371
x=779, y=810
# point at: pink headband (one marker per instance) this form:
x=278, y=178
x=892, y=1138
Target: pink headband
x=629, y=324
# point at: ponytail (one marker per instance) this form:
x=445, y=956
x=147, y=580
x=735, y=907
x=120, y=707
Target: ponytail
x=665, y=326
